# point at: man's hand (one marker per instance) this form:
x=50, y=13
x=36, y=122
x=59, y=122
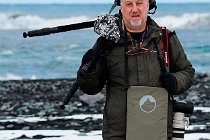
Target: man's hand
x=169, y=82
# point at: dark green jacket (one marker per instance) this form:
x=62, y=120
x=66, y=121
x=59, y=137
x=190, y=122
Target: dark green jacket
x=143, y=70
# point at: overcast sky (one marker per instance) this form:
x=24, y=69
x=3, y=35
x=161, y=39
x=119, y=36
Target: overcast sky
x=91, y=1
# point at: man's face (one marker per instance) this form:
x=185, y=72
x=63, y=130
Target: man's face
x=135, y=13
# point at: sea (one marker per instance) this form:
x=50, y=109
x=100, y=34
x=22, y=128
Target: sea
x=59, y=55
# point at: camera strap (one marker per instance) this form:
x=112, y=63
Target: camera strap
x=126, y=59
x=165, y=52
x=165, y=48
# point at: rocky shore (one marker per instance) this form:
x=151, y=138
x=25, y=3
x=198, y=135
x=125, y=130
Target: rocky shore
x=42, y=99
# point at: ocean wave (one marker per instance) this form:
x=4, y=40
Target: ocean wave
x=185, y=21
x=10, y=76
x=70, y=58
x=11, y=21
x=7, y=52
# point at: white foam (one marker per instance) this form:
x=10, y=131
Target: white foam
x=71, y=58
x=33, y=77
x=7, y=52
x=185, y=21
x=10, y=76
x=11, y=21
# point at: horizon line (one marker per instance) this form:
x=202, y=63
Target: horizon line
x=98, y=3
x=14, y=3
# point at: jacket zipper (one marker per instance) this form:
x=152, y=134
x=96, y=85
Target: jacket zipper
x=147, y=67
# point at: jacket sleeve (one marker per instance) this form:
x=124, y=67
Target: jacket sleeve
x=94, y=81
x=180, y=66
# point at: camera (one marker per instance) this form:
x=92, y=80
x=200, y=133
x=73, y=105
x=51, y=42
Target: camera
x=179, y=119
x=183, y=107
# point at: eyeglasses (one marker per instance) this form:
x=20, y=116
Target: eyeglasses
x=136, y=51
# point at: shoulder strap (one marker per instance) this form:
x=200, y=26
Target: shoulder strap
x=165, y=52
x=165, y=48
x=126, y=59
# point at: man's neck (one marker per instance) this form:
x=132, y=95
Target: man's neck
x=137, y=35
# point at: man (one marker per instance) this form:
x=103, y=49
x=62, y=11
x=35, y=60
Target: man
x=138, y=65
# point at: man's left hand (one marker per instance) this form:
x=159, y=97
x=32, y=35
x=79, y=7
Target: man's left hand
x=169, y=82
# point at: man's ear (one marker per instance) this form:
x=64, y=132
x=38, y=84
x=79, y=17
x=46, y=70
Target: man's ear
x=121, y=7
x=148, y=6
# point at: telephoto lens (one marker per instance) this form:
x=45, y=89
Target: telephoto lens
x=179, y=119
x=178, y=126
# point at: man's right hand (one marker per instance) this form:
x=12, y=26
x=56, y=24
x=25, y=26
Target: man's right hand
x=90, y=55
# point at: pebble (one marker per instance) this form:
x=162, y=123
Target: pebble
x=42, y=98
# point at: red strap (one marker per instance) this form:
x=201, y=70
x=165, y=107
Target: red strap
x=167, y=39
x=165, y=48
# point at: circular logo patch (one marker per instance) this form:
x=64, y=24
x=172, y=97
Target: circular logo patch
x=147, y=104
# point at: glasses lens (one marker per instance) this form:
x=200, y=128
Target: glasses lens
x=135, y=51
x=143, y=50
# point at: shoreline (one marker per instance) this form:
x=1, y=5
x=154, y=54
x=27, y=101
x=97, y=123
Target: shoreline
x=74, y=78
x=43, y=97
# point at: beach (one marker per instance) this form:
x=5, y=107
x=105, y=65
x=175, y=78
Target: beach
x=35, y=105
x=36, y=73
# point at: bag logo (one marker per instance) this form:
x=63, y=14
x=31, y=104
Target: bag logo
x=147, y=103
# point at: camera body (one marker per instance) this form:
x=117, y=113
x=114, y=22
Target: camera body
x=184, y=107
x=179, y=119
